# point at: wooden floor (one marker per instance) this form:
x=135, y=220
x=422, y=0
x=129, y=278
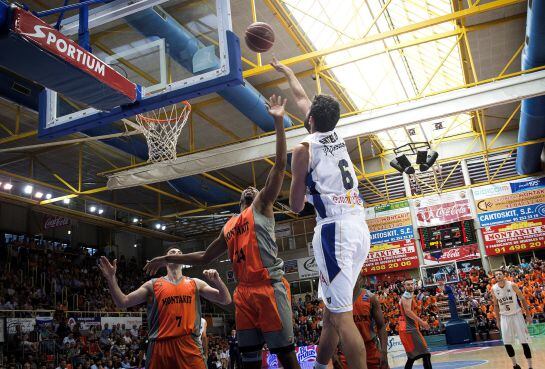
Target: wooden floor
x=491, y=356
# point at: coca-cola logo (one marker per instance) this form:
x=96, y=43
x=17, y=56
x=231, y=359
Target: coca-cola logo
x=451, y=211
x=54, y=222
x=457, y=253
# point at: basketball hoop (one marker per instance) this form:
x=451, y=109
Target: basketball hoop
x=162, y=127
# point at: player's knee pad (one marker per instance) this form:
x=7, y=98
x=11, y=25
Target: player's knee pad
x=510, y=350
x=251, y=357
x=527, y=351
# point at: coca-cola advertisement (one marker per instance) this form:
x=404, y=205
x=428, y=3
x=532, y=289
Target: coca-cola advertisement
x=443, y=209
x=55, y=222
x=460, y=253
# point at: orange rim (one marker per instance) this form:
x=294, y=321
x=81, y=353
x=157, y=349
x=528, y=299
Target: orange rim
x=154, y=120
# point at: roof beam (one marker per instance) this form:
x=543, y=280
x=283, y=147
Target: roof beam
x=495, y=92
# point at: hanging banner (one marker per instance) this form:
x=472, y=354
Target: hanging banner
x=508, y=188
x=510, y=201
x=55, y=222
x=307, y=268
x=129, y=321
x=390, y=257
x=443, y=209
x=459, y=253
x=390, y=222
x=85, y=323
x=26, y=324
x=515, y=237
x=290, y=266
x=519, y=214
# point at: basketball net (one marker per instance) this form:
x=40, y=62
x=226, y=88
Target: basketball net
x=162, y=127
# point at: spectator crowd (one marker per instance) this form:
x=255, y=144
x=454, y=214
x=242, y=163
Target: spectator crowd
x=39, y=278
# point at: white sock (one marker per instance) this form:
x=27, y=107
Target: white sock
x=514, y=360
x=317, y=365
x=529, y=362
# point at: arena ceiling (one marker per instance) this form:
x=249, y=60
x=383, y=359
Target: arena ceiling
x=408, y=56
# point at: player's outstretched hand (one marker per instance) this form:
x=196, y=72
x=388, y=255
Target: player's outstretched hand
x=277, y=106
x=212, y=276
x=152, y=266
x=108, y=269
x=280, y=67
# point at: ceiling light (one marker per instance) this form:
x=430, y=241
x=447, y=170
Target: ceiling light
x=157, y=226
x=8, y=186
x=100, y=211
x=135, y=220
x=48, y=196
x=402, y=164
x=66, y=201
x=163, y=227
x=135, y=245
x=69, y=232
x=38, y=195
x=431, y=157
x=92, y=209
x=28, y=189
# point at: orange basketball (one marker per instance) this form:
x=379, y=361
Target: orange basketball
x=259, y=37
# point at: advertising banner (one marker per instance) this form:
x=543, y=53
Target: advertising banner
x=26, y=324
x=55, y=222
x=514, y=237
x=519, y=214
x=290, y=266
x=459, y=253
x=129, y=321
x=510, y=201
x=390, y=257
x=443, y=209
x=305, y=354
x=394, y=344
x=390, y=222
x=85, y=323
x=508, y=188
x=307, y=268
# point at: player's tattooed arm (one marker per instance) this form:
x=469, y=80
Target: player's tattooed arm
x=212, y=252
x=267, y=196
x=122, y=300
x=525, y=306
x=301, y=98
x=299, y=170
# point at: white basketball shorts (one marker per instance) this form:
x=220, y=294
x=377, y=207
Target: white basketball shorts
x=513, y=327
x=340, y=247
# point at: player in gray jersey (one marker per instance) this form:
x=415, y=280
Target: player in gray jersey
x=506, y=296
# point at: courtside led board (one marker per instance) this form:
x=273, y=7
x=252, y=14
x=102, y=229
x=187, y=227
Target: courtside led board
x=174, y=49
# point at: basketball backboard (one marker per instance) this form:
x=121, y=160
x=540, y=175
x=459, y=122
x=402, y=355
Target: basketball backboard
x=174, y=49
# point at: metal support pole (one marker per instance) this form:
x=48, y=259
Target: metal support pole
x=84, y=39
x=476, y=225
x=408, y=194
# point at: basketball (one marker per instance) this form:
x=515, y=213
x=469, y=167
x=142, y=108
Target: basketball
x=259, y=37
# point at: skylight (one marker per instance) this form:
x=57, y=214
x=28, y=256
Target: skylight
x=375, y=78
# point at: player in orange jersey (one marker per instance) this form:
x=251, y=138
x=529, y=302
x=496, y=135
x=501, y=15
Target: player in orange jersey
x=174, y=312
x=369, y=320
x=262, y=298
x=409, y=329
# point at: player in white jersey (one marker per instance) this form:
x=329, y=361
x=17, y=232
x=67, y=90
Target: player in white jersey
x=509, y=317
x=323, y=171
